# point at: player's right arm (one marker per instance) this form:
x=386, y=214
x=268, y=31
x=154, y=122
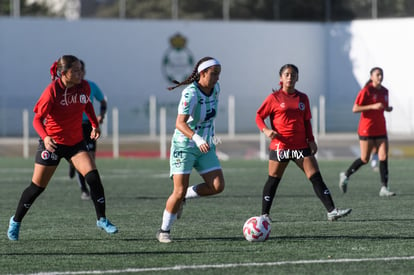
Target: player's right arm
x=41, y=110
x=182, y=126
x=262, y=113
x=361, y=108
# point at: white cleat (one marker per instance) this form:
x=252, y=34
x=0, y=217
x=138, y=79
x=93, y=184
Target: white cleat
x=163, y=237
x=338, y=213
x=85, y=196
x=267, y=217
x=384, y=192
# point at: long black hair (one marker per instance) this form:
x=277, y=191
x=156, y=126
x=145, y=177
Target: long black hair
x=284, y=67
x=372, y=71
x=194, y=76
x=63, y=64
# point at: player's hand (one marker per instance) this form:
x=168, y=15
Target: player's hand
x=95, y=133
x=201, y=143
x=204, y=148
x=389, y=109
x=50, y=144
x=270, y=133
x=378, y=106
x=100, y=119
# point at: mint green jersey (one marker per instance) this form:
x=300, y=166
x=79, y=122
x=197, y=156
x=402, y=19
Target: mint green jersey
x=202, y=110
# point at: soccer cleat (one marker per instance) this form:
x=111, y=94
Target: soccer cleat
x=85, y=196
x=384, y=192
x=267, y=217
x=163, y=236
x=343, y=182
x=338, y=213
x=105, y=224
x=180, y=210
x=13, y=231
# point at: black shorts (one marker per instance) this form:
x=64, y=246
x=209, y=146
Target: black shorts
x=373, y=137
x=87, y=129
x=47, y=158
x=285, y=155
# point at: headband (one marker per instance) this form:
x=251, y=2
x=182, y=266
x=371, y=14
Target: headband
x=207, y=64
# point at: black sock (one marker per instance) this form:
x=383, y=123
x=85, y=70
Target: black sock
x=29, y=195
x=97, y=192
x=383, y=167
x=354, y=167
x=269, y=191
x=322, y=191
x=82, y=183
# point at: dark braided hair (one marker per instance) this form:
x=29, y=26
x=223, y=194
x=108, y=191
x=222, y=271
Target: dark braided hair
x=372, y=71
x=63, y=64
x=195, y=76
x=284, y=67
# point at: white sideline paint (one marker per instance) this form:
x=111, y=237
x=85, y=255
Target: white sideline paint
x=222, y=266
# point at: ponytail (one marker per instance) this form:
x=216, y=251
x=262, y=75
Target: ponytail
x=63, y=64
x=195, y=75
x=53, y=71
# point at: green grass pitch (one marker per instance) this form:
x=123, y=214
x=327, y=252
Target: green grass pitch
x=59, y=234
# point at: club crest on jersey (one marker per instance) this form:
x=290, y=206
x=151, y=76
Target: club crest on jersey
x=301, y=106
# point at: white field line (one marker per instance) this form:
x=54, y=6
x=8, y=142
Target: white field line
x=222, y=266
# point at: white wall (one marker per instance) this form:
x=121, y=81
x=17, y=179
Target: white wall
x=124, y=58
x=388, y=44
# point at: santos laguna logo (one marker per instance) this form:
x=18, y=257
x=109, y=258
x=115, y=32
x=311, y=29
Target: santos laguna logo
x=178, y=61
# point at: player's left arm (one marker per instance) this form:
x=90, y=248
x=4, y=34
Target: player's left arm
x=90, y=112
x=99, y=96
x=388, y=108
x=102, y=111
x=310, y=138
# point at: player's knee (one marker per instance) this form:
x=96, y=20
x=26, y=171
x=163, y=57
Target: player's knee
x=179, y=193
x=219, y=187
x=93, y=178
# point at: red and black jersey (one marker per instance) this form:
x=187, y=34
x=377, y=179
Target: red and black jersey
x=58, y=112
x=372, y=122
x=290, y=117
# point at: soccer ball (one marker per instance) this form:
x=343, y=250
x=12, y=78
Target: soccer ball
x=256, y=229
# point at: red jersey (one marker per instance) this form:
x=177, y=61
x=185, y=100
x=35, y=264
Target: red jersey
x=372, y=122
x=58, y=112
x=290, y=117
